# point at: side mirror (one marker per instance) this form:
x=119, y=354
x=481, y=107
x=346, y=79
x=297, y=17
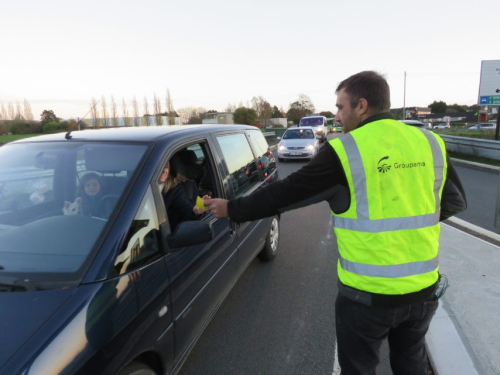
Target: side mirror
x=188, y=233
x=278, y=138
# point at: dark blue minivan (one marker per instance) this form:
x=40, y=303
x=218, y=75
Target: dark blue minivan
x=115, y=290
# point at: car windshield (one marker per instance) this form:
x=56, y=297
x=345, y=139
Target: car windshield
x=311, y=121
x=55, y=200
x=299, y=134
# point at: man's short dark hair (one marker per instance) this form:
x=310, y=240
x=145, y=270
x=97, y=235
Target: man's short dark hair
x=368, y=85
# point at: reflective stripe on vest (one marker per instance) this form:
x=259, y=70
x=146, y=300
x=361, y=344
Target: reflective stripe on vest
x=363, y=223
x=392, y=271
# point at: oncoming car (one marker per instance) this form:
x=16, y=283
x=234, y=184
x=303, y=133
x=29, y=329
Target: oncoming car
x=298, y=143
x=319, y=125
x=117, y=291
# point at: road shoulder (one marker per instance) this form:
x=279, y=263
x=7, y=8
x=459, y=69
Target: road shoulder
x=464, y=337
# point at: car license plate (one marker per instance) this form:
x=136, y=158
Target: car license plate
x=295, y=153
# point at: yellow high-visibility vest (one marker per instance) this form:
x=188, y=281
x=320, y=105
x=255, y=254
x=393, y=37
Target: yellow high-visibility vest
x=388, y=239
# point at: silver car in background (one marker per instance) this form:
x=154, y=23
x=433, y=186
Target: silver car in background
x=298, y=143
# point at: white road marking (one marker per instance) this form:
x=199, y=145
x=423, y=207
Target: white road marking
x=336, y=366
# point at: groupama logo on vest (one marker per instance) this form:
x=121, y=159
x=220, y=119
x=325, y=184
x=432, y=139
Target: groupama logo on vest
x=384, y=167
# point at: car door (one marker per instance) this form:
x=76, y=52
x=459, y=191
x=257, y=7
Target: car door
x=245, y=176
x=201, y=275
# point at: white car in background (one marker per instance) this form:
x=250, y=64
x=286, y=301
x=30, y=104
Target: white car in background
x=318, y=123
x=483, y=126
x=298, y=143
x=442, y=126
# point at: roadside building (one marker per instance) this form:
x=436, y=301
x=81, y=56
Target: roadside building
x=224, y=118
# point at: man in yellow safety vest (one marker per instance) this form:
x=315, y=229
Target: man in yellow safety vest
x=389, y=185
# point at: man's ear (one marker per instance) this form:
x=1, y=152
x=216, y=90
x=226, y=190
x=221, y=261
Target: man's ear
x=363, y=106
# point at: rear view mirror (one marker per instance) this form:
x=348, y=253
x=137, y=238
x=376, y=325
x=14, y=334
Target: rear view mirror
x=278, y=138
x=189, y=233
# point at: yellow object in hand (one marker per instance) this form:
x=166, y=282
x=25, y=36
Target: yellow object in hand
x=200, y=204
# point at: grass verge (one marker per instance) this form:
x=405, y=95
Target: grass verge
x=15, y=137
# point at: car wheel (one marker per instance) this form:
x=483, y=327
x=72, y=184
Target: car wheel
x=270, y=248
x=137, y=368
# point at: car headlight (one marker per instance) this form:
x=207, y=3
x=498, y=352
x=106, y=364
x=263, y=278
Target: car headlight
x=282, y=148
x=310, y=147
x=319, y=130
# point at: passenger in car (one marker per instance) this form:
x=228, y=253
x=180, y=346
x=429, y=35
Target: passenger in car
x=91, y=191
x=179, y=207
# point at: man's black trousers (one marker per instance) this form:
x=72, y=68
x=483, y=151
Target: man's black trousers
x=362, y=328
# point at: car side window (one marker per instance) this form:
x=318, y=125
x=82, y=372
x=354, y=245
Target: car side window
x=266, y=164
x=240, y=162
x=141, y=244
x=26, y=187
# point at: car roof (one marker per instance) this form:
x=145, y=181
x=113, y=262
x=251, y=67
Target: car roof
x=137, y=134
x=301, y=128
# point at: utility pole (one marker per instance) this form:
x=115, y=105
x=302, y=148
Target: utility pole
x=498, y=125
x=404, y=99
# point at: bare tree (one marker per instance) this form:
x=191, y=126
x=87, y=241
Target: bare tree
x=157, y=110
x=184, y=114
x=135, y=109
x=114, y=111
x=3, y=113
x=191, y=115
x=19, y=112
x=231, y=107
x=10, y=111
x=104, y=112
x=94, y=112
x=282, y=110
x=146, y=111
x=262, y=107
x=124, y=112
x=28, y=114
x=170, y=109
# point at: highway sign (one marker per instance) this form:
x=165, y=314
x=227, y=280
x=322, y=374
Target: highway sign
x=489, y=85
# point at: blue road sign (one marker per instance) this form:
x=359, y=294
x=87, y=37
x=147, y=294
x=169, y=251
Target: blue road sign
x=484, y=100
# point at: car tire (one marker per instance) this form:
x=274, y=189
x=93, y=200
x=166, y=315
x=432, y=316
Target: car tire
x=270, y=248
x=137, y=368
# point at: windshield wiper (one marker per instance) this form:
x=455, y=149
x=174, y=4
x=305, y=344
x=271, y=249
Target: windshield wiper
x=14, y=284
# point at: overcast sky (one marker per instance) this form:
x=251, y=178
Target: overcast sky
x=58, y=54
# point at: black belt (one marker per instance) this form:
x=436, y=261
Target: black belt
x=387, y=301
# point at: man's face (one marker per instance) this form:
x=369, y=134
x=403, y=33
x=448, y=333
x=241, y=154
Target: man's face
x=348, y=117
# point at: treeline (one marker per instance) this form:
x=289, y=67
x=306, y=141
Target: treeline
x=49, y=123
x=443, y=107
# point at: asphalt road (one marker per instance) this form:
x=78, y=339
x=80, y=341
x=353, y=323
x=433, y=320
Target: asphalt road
x=279, y=318
x=481, y=189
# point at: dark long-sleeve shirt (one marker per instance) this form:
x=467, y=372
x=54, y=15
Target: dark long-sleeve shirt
x=324, y=179
x=179, y=207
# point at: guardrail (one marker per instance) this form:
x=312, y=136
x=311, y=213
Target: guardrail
x=473, y=146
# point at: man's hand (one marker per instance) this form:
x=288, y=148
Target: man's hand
x=217, y=206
